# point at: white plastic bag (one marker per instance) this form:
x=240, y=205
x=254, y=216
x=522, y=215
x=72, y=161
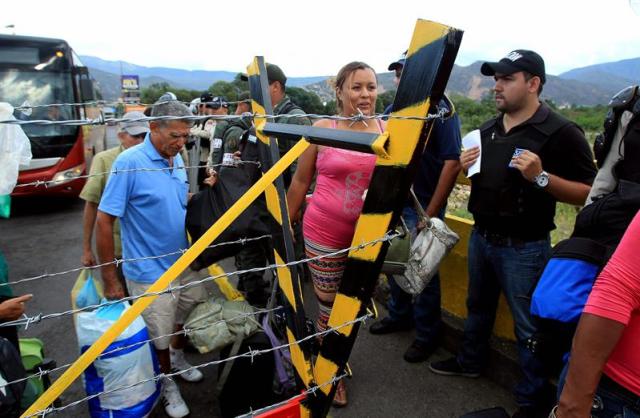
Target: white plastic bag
x=15, y=150
x=121, y=368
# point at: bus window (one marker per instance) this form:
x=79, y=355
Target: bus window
x=39, y=88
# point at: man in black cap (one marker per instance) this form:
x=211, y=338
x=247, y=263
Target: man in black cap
x=207, y=129
x=227, y=139
x=531, y=158
x=435, y=178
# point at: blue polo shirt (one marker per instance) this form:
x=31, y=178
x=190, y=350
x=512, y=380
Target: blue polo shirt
x=151, y=206
x=444, y=144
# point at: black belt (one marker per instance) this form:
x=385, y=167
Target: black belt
x=629, y=397
x=502, y=240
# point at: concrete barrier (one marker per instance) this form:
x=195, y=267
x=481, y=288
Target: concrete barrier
x=454, y=279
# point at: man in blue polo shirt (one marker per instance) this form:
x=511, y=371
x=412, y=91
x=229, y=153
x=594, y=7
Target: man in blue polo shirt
x=151, y=206
x=436, y=176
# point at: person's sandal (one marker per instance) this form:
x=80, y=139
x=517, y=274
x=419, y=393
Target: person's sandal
x=340, y=398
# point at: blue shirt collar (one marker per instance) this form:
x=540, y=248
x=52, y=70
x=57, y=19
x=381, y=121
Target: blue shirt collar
x=150, y=150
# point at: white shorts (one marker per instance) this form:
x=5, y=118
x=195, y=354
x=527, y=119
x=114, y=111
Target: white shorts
x=169, y=309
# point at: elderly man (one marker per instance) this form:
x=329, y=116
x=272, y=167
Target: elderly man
x=151, y=207
x=129, y=134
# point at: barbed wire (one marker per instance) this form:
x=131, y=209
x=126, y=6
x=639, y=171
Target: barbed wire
x=249, y=354
x=440, y=114
x=28, y=320
x=90, y=103
x=185, y=332
x=116, y=104
x=119, y=261
x=47, y=183
x=311, y=390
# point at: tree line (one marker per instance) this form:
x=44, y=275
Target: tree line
x=472, y=113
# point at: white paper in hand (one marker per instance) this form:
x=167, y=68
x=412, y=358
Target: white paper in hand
x=471, y=140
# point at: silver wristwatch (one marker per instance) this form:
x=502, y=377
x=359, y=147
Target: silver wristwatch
x=541, y=180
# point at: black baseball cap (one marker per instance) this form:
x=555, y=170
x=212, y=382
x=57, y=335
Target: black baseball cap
x=213, y=102
x=274, y=73
x=206, y=97
x=399, y=62
x=517, y=60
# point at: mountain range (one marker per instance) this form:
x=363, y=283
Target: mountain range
x=586, y=86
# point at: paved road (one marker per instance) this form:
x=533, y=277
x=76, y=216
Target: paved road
x=45, y=236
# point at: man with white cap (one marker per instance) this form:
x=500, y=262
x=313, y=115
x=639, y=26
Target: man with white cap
x=129, y=134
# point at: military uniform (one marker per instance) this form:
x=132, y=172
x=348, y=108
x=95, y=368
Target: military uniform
x=215, y=153
x=287, y=107
x=256, y=254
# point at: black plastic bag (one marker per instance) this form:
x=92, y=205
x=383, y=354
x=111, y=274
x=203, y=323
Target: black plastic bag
x=207, y=206
x=11, y=369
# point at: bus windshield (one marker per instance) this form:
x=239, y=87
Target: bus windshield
x=32, y=88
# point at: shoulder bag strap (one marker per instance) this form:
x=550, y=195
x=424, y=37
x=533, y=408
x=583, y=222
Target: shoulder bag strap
x=421, y=213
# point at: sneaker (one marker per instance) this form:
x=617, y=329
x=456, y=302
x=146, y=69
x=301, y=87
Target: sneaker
x=179, y=364
x=388, y=326
x=172, y=401
x=451, y=367
x=419, y=351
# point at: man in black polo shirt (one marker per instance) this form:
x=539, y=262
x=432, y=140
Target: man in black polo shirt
x=531, y=158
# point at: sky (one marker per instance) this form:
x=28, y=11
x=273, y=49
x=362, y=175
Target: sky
x=316, y=38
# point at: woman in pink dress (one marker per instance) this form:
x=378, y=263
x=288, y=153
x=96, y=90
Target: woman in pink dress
x=342, y=178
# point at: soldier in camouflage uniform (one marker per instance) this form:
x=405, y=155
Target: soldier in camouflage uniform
x=257, y=255
x=282, y=105
x=227, y=136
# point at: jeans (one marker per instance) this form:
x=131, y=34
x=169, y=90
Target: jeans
x=514, y=270
x=610, y=401
x=424, y=310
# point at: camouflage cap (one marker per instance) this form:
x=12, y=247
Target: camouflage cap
x=274, y=73
x=245, y=96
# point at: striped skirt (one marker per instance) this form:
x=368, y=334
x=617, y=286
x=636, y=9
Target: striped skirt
x=326, y=274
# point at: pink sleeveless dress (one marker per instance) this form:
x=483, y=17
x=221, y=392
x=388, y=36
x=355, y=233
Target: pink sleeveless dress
x=342, y=178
